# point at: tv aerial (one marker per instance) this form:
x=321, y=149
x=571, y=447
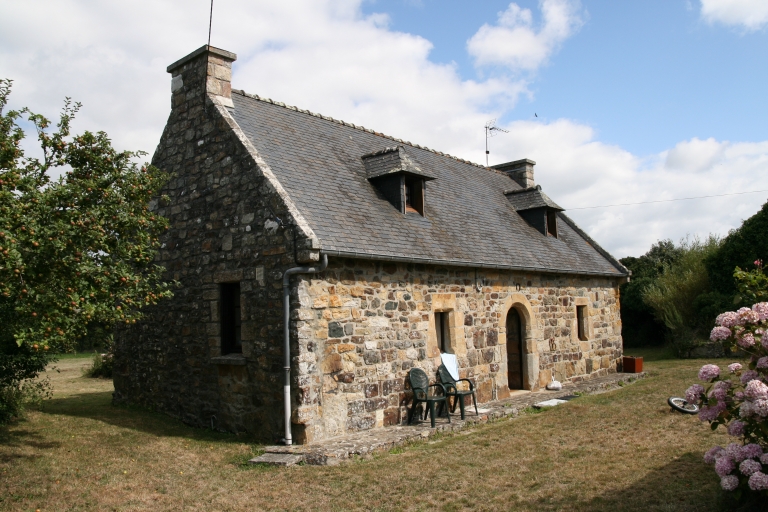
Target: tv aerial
x=491, y=130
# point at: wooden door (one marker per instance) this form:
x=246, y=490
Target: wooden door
x=514, y=349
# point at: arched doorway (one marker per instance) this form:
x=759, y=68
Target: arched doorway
x=515, y=330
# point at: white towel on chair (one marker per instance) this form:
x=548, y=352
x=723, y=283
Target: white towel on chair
x=450, y=362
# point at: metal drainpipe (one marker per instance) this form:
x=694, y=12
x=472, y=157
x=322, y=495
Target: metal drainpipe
x=287, y=337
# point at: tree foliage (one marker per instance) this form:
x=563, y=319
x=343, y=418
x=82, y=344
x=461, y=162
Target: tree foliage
x=741, y=248
x=76, y=251
x=673, y=294
x=639, y=325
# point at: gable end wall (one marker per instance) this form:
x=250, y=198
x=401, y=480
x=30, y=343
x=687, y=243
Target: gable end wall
x=224, y=227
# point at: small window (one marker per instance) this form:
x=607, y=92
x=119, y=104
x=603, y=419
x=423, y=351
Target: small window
x=443, y=332
x=230, y=319
x=414, y=196
x=552, y=223
x=581, y=319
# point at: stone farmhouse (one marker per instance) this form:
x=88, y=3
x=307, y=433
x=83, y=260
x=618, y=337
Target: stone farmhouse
x=389, y=253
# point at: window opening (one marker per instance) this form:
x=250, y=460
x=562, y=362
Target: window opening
x=231, y=342
x=581, y=319
x=443, y=332
x=414, y=196
x=552, y=223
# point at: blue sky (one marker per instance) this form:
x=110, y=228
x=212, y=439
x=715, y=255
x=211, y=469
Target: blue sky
x=643, y=74
x=636, y=100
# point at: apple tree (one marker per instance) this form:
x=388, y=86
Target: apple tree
x=77, y=235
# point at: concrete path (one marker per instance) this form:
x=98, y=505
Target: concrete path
x=364, y=443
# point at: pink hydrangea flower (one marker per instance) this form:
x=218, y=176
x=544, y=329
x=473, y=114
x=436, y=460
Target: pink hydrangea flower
x=748, y=376
x=763, y=458
x=760, y=407
x=736, y=428
x=761, y=308
x=727, y=319
x=749, y=467
x=762, y=362
x=734, y=452
x=719, y=333
x=693, y=393
x=746, y=341
x=712, y=454
x=746, y=410
x=720, y=390
x=747, y=316
x=758, y=481
x=710, y=413
x=729, y=482
x=724, y=466
x=734, y=367
x=756, y=390
x=709, y=372
x=738, y=395
x=751, y=451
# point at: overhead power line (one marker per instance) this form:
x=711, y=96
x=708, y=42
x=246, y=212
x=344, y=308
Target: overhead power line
x=668, y=200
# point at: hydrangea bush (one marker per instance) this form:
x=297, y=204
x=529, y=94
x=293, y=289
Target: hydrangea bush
x=737, y=398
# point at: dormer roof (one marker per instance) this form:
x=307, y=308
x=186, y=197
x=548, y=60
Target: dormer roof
x=529, y=198
x=390, y=161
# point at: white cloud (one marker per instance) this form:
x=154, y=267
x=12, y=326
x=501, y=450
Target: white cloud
x=515, y=43
x=326, y=56
x=749, y=14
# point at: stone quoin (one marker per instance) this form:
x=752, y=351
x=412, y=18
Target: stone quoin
x=426, y=253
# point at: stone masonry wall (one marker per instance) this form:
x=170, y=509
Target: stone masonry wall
x=362, y=325
x=228, y=223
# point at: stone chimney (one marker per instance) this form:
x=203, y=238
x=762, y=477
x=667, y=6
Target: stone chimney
x=520, y=170
x=207, y=70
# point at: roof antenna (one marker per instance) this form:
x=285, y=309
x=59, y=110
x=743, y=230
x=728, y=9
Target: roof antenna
x=490, y=131
x=210, y=22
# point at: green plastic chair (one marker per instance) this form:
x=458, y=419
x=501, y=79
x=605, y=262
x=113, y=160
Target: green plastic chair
x=451, y=390
x=420, y=385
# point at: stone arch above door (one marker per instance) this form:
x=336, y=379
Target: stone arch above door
x=531, y=336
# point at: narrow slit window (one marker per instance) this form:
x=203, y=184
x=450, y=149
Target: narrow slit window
x=581, y=319
x=443, y=332
x=230, y=319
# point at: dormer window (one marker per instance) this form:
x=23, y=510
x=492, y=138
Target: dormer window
x=552, y=223
x=414, y=196
x=536, y=208
x=398, y=179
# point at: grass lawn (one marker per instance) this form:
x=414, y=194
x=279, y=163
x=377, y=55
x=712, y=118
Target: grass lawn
x=622, y=450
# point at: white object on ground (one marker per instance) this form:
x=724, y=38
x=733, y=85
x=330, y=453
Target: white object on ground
x=450, y=362
x=550, y=403
x=554, y=385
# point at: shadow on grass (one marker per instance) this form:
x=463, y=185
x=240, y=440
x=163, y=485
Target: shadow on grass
x=686, y=484
x=98, y=406
x=21, y=438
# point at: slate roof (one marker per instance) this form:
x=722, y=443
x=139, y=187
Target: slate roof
x=529, y=198
x=469, y=220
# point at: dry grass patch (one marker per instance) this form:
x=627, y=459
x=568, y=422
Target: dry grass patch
x=621, y=450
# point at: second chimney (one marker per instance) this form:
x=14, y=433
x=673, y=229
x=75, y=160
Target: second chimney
x=520, y=170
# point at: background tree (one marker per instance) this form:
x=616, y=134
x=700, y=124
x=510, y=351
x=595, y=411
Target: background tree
x=741, y=248
x=674, y=296
x=76, y=252
x=639, y=325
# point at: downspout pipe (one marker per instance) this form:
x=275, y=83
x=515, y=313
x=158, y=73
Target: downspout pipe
x=288, y=439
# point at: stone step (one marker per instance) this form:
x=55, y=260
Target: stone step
x=277, y=459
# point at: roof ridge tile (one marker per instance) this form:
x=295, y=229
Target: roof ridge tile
x=363, y=128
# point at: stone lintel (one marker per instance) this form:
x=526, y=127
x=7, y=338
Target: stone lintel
x=230, y=359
